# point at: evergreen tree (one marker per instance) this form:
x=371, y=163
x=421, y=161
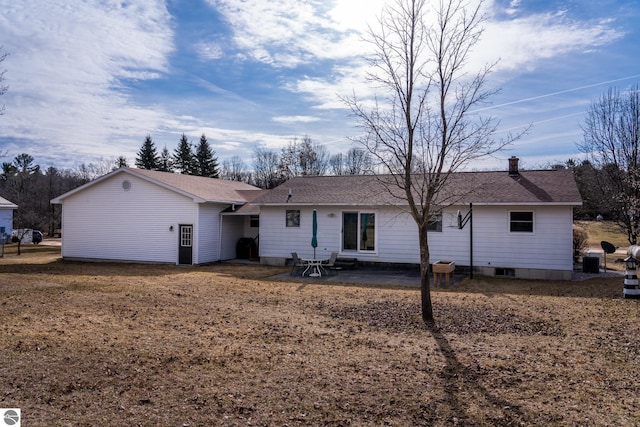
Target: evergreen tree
x=183, y=159
x=147, y=156
x=205, y=162
x=166, y=164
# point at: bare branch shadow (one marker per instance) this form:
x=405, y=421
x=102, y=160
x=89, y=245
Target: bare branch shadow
x=462, y=383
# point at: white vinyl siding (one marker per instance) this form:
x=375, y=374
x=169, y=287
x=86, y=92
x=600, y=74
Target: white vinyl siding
x=550, y=247
x=278, y=240
x=397, y=237
x=6, y=220
x=108, y=222
x=209, y=233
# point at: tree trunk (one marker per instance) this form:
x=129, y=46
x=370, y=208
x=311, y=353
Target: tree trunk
x=425, y=282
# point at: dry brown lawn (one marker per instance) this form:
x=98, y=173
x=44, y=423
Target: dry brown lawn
x=125, y=344
x=603, y=230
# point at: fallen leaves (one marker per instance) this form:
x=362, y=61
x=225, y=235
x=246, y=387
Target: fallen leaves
x=156, y=345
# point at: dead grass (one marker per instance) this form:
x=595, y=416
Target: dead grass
x=603, y=230
x=128, y=344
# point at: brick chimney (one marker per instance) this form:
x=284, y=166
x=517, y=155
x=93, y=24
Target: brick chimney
x=513, y=166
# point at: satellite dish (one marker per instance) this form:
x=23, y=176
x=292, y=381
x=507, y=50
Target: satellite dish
x=607, y=247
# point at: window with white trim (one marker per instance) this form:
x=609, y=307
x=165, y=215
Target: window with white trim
x=521, y=221
x=293, y=218
x=359, y=231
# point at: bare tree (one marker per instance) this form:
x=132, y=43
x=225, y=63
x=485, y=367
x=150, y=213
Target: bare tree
x=355, y=162
x=266, y=169
x=90, y=171
x=421, y=127
x=336, y=164
x=358, y=162
x=120, y=162
x=24, y=188
x=611, y=140
x=312, y=158
x=235, y=170
x=303, y=158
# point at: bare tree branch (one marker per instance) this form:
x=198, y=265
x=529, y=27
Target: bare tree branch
x=421, y=127
x=611, y=140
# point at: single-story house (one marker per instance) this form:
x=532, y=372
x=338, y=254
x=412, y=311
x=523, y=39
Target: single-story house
x=148, y=216
x=521, y=223
x=6, y=218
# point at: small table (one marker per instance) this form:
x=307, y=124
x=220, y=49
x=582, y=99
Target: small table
x=314, y=267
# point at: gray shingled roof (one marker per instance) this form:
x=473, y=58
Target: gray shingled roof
x=209, y=189
x=528, y=187
x=200, y=188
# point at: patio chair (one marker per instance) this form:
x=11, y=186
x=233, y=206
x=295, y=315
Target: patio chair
x=297, y=262
x=331, y=263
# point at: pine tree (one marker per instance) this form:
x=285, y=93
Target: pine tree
x=147, y=156
x=183, y=159
x=165, y=164
x=205, y=162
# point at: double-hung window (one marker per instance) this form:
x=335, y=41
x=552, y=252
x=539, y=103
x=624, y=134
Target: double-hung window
x=521, y=221
x=358, y=231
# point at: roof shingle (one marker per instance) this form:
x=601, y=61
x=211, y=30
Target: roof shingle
x=528, y=187
x=201, y=189
x=209, y=189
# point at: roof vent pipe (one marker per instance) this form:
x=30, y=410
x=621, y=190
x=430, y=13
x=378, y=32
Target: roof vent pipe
x=513, y=166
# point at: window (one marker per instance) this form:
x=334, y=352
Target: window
x=521, y=222
x=435, y=222
x=186, y=236
x=293, y=218
x=507, y=272
x=254, y=221
x=358, y=231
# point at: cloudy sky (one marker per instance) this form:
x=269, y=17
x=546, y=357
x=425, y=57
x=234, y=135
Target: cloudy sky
x=88, y=80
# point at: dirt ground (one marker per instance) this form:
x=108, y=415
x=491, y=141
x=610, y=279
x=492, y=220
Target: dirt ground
x=125, y=344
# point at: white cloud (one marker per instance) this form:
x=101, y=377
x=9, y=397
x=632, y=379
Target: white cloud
x=517, y=44
x=295, y=119
x=209, y=50
x=75, y=67
x=288, y=33
x=513, y=7
x=68, y=65
x=522, y=42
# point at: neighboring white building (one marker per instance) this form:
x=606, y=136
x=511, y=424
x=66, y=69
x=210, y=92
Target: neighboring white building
x=521, y=226
x=6, y=218
x=148, y=216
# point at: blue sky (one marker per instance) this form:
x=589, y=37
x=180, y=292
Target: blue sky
x=88, y=80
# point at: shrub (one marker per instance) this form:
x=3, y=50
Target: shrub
x=580, y=237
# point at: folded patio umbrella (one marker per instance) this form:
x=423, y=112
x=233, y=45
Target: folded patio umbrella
x=314, y=233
